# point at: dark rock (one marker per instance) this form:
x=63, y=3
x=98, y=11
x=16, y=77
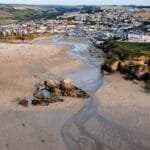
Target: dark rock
x=55, y=99
x=147, y=84
x=60, y=100
x=44, y=102
x=82, y=94
x=23, y=102
x=42, y=140
x=123, y=68
x=129, y=77
x=35, y=102
x=46, y=84
x=23, y=125
x=146, y=77
x=106, y=67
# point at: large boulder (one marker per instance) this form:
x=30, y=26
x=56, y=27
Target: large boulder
x=145, y=59
x=128, y=66
x=142, y=70
x=106, y=66
x=38, y=94
x=123, y=67
x=53, y=84
x=67, y=88
x=109, y=66
x=39, y=86
x=114, y=66
x=57, y=92
x=135, y=68
x=68, y=84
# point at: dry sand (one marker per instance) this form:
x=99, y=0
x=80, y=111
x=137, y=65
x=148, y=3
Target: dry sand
x=23, y=65
x=127, y=104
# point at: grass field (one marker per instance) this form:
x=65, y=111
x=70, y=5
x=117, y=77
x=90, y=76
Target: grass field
x=131, y=49
x=7, y=21
x=9, y=14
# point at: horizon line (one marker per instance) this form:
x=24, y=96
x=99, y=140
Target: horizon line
x=72, y=4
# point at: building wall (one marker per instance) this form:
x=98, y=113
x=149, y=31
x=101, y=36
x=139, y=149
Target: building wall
x=146, y=38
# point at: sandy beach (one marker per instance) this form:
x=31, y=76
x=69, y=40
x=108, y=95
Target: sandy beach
x=116, y=116
x=22, y=66
x=126, y=104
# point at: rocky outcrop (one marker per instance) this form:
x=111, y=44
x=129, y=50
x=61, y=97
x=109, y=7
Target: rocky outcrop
x=114, y=66
x=58, y=88
x=110, y=67
x=128, y=62
x=51, y=92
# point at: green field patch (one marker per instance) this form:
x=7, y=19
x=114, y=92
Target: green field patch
x=7, y=21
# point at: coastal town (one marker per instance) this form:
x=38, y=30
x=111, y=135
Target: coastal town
x=103, y=24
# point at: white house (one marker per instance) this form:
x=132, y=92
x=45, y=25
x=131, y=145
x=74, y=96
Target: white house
x=146, y=38
x=135, y=36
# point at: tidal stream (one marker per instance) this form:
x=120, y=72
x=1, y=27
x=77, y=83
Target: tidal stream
x=87, y=129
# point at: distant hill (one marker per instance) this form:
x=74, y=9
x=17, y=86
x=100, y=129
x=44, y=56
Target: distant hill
x=20, y=13
x=26, y=7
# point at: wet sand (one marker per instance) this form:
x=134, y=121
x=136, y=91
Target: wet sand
x=127, y=105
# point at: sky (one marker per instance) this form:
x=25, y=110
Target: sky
x=79, y=2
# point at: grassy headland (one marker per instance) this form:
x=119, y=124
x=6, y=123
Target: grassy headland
x=129, y=49
x=132, y=59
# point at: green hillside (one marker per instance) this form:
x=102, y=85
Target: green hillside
x=21, y=13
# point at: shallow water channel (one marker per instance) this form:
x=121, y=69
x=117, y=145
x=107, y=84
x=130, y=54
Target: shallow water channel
x=87, y=129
